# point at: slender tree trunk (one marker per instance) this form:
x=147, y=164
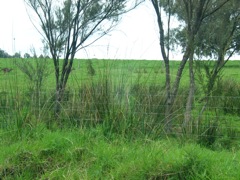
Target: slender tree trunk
x=179, y=72
x=172, y=92
x=189, y=105
x=58, y=100
x=57, y=95
x=61, y=83
x=168, y=104
x=167, y=122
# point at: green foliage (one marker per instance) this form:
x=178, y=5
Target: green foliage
x=124, y=98
x=36, y=71
x=69, y=26
x=90, y=68
x=216, y=21
x=4, y=54
x=88, y=154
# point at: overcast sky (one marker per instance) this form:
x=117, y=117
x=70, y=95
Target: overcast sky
x=136, y=36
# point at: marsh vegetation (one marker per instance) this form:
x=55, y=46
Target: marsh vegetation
x=112, y=122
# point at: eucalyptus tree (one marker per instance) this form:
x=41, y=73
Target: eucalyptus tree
x=219, y=36
x=191, y=14
x=70, y=25
x=218, y=40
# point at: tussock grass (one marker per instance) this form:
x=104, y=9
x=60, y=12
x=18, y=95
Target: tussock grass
x=111, y=125
x=88, y=154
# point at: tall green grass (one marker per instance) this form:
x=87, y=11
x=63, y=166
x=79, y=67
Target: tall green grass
x=124, y=97
x=111, y=124
x=88, y=154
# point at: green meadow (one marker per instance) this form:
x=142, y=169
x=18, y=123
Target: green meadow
x=112, y=122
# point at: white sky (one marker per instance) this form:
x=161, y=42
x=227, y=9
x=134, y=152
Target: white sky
x=136, y=37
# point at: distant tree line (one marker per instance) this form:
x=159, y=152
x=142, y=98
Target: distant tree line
x=4, y=54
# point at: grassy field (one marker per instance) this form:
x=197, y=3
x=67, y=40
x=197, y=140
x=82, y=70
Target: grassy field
x=111, y=124
x=88, y=154
x=129, y=70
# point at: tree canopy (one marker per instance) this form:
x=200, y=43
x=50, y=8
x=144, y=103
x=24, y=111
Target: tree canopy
x=207, y=28
x=219, y=29
x=70, y=25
